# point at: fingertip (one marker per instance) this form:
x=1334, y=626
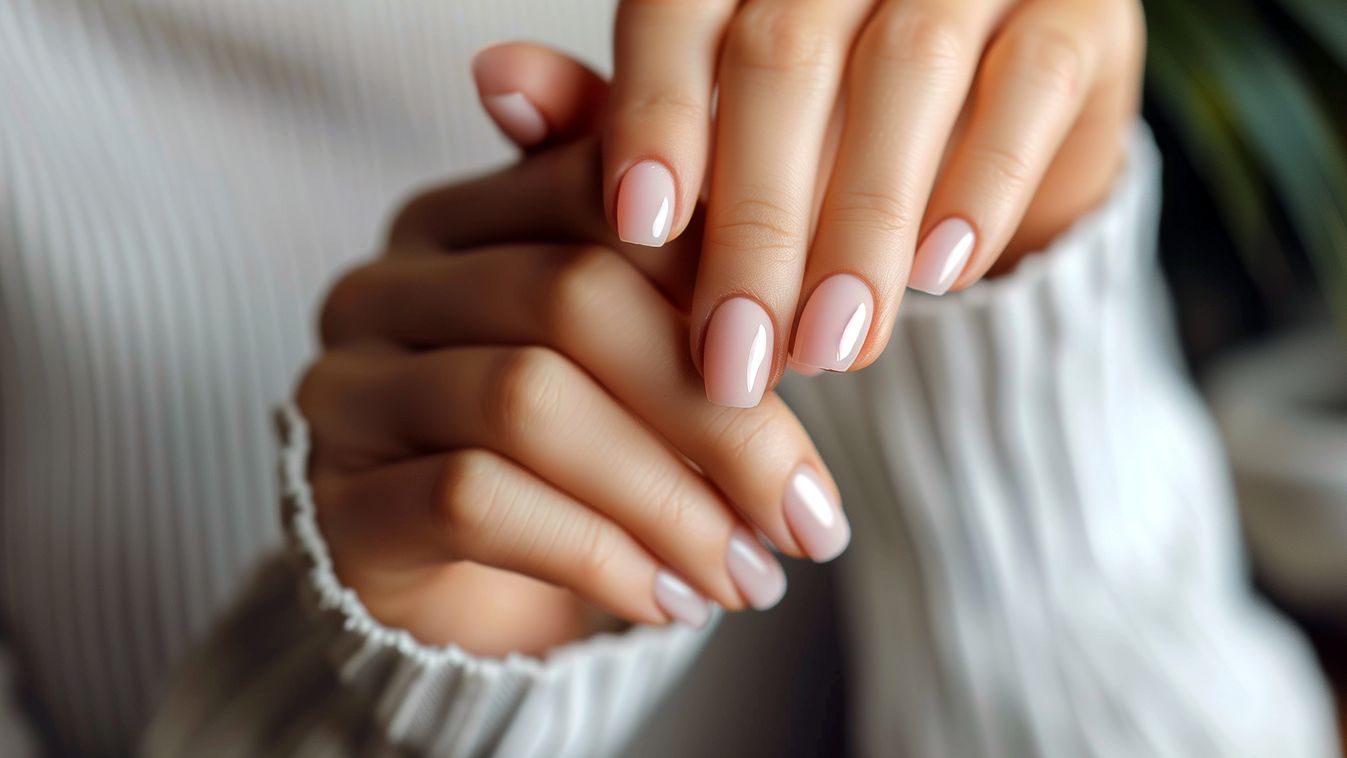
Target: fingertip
x=679, y=601
x=518, y=117
x=533, y=92
x=646, y=204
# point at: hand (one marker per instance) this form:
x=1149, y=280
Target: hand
x=970, y=125
x=530, y=407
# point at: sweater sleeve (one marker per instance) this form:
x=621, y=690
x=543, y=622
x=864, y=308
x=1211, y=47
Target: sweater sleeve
x=300, y=668
x=1045, y=558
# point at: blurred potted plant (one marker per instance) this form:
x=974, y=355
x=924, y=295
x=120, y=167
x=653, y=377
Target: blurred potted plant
x=1256, y=95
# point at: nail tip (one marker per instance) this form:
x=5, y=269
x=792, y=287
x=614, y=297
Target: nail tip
x=768, y=603
x=731, y=403
x=642, y=243
x=834, y=552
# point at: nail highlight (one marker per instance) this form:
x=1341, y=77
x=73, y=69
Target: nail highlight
x=645, y=204
x=738, y=353
x=517, y=117
x=941, y=257
x=755, y=572
x=680, y=601
x=814, y=515
x=834, y=323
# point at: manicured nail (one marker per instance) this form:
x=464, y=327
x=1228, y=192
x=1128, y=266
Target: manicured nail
x=517, y=117
x=645, y=204
x=814, y=515
x=802, y=369
x=738, y=353
x=755, y=572
x=941, y=258
x=834, y=323
x=680, y=601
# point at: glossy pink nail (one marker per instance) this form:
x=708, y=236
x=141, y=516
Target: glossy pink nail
x=755, y=572
x=676, y=598
x=738, y=353
x=814, y=515
x=941, y=257
x=802, y=369
x=645, y=204
x=517, y=117
x=834, y=323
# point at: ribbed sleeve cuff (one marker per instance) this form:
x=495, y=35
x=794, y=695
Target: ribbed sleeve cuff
x=584, y=699
x=1045, y=560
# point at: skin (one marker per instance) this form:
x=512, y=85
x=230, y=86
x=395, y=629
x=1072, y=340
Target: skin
x=1008, y=114
x=482, y=412
x=483, y=421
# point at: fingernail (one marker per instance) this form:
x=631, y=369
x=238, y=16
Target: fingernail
x=680, y=601
x=834, y=323
x=738, y=353
x=814, y=515
x=941, y=258
x=802, y=369
x=645, y=204
x=755, y=572
x=517, y=117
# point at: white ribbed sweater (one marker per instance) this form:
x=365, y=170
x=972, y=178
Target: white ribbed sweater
x=1044, y=559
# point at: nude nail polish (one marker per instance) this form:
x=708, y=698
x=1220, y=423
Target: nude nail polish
x=814, y=515
x=834, y=323
x=738, y=353
x=802, y=369
x=517, y=117
x=676, y=598
x=755, y=572
x=941, y=257
x=645, y=204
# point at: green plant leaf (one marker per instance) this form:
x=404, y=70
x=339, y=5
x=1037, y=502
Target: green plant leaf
x=1213, y=147
x=1325, y=21
x=1282, y=122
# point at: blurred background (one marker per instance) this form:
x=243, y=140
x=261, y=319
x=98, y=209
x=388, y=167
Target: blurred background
x=1248, y=101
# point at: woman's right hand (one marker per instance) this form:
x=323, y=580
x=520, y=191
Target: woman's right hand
x=532, y=408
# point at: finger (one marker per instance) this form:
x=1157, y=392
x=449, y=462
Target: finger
x=592, y=306
x=912, y=65
x=778, y=84
x=550, y=197
x=1034, y=79
x=657, y=139
x=536, y=94
x=537, y=408
x=1086, y=164
x=473, y=505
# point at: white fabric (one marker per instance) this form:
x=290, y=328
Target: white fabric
x=1044, y=561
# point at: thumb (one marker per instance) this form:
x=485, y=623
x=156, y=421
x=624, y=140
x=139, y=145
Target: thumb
x=537, y=95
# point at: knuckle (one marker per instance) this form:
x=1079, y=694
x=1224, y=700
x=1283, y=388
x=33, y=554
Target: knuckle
x=576, y=289
x=759, y=226
x=746, y=437
x=346, y=304
x=780, y=37
x=525, y=394
x=466, y=494
x=675, y=506
x=664, y=106
x=1049, y=58
x=884, y=211
x=312, y=385
x=923, y=37
x=1002, y=171
x=594, y=564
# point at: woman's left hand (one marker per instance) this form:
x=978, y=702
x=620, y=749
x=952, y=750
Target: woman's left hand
x=974, y=127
